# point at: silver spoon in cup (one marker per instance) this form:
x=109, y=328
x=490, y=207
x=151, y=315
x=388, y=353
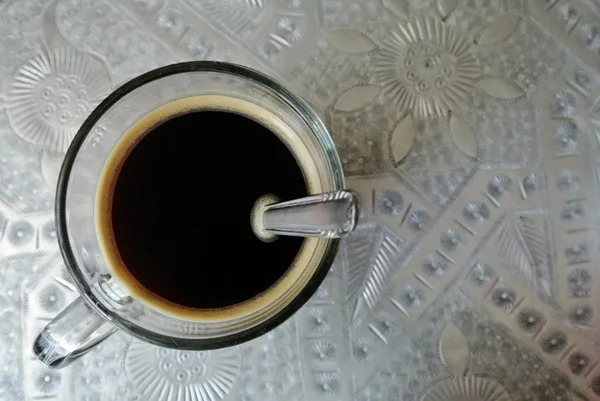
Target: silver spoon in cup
x=326, y=215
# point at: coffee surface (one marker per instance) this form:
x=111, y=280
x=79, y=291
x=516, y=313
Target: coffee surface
x=181, y=204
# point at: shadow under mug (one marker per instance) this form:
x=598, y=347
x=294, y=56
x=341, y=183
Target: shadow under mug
x=104, y=305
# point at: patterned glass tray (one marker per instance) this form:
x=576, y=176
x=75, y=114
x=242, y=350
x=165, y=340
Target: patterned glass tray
x=470, y=129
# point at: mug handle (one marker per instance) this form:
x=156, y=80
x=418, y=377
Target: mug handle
x=71, y=334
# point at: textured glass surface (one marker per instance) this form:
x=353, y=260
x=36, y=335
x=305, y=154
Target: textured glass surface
x=470, y=130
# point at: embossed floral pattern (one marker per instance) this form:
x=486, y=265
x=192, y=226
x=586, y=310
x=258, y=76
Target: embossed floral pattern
x=133, y=42
x=161, y=374
x=417, y=220
x=499, y=185
x=434, y=266
x=52, y=93
x=581, y=315
x=504, y=297
x=51, y=298
x=566, y=138
x=482, y=274
x=467, y=388
x=476, y=212
x=427, y=68
x=572, y=210
x=323, y=350
x=451, y=240
x=10, y=387
x=530, y=320
x=361, y=351
x=318, y=321
x=47, y=381
x=413, y=297
x=578, y=362
x=270, y=368
x=554, y=342
x=563, y=104
x=390, y=202
x=327, y=383
x=580, y=283
x=20, y=233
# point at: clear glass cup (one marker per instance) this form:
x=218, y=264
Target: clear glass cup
x=104, y=305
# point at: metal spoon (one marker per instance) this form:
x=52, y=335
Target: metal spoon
x=326, y=215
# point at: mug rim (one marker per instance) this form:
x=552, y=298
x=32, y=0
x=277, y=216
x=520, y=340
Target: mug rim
x=302, y=110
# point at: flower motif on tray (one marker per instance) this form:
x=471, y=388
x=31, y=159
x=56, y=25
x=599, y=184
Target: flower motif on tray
x=454, y=352
x=52, y=93
x=470, y=388
x=165, y=374
x=428, y=69
x=390, y=202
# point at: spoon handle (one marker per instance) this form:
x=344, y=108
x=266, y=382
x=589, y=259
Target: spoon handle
x=326, y=215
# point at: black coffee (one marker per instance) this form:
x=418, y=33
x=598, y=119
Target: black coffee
x=181, y=208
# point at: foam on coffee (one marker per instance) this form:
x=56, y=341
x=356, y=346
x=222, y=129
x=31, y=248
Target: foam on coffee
x=288, y=283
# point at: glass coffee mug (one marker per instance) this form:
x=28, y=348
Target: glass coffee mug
x=106, y=304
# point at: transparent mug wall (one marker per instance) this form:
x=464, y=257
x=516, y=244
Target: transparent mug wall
x=113, y=119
